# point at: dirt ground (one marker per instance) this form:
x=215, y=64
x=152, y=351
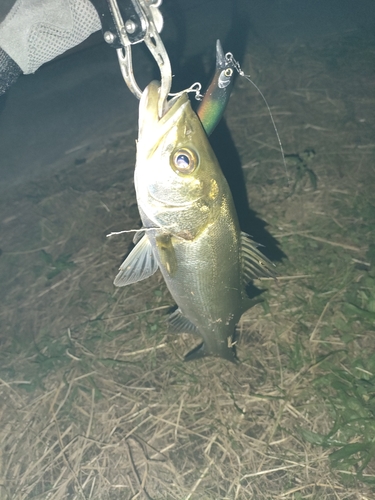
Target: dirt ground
x=96, y=401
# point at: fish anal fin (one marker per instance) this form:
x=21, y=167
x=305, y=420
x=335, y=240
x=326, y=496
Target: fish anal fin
x=178, y=323
x=138, y=265
x=254, y=263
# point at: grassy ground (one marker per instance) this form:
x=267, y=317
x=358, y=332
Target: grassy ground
x=96, y=402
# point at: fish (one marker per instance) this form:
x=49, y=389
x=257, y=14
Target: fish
x=190, y=228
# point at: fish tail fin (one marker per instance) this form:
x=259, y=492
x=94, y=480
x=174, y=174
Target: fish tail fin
x=200, y=351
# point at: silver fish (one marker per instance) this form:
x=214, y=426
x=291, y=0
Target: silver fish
x=191, y=230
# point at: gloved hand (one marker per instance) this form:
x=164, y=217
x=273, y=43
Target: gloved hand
x=36, y=31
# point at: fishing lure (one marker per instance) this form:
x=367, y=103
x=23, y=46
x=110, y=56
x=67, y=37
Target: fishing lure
x=216, y=97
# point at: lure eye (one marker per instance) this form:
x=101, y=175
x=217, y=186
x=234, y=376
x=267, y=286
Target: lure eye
x=184, y=161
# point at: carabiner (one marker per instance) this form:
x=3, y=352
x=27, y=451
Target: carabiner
x=143, y=22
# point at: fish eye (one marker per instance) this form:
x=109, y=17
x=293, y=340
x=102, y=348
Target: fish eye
x=184, y=161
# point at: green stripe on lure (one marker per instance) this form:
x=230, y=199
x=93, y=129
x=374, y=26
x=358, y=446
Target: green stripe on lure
x=216, y=98
x=190, y=227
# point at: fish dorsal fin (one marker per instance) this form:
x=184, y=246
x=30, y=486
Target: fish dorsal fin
x=254, y=263
x=178, y=323
x=138, y=265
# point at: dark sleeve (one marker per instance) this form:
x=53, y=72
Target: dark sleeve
x=9, y=71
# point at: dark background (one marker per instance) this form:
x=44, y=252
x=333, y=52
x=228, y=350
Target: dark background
x=80, y=102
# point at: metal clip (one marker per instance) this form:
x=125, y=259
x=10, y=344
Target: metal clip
x=143, y=22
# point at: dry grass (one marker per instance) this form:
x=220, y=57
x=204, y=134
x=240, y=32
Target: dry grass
x=96, y=402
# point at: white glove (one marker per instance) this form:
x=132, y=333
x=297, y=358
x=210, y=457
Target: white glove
x=36, y=31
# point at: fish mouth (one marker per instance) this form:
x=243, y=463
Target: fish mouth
x=173, y=104
x=151, y=127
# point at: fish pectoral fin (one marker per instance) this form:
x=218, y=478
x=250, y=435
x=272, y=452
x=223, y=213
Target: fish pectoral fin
x=138, y=265
x=138, y=236
x=178, y=323
x=254, y=263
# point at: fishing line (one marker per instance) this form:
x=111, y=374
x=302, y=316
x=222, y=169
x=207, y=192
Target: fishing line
x=142, y=230
x=229, y=56
x=196, y=87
